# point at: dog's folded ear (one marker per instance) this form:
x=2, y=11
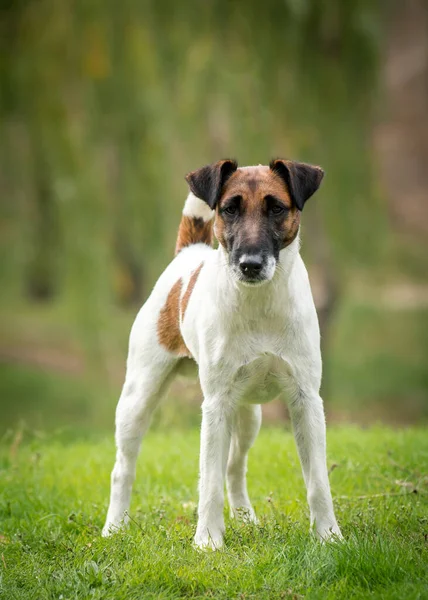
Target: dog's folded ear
x=207, y=183
x=302, y=180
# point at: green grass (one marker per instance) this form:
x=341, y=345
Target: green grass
x=54, y=492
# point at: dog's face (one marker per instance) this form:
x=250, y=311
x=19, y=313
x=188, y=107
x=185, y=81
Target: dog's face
x=255, y=220
x=257, y=211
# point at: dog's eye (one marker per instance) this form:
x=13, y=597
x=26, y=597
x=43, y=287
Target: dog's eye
x=274, y=206
x=232, y=206
x=277, y=209
x=231, y=210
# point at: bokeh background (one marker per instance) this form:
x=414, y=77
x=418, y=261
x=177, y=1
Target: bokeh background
x=106, y=105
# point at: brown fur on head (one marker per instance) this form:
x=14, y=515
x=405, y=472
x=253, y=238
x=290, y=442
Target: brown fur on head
x=257, y=210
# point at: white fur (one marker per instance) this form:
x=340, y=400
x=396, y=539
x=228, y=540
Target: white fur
x=250, y=343
x=195, y=207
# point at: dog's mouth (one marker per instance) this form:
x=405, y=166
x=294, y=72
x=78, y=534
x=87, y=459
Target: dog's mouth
x=252, y=281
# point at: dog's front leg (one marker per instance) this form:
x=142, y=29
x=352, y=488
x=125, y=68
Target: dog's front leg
x=217, y=416
x=307, y=416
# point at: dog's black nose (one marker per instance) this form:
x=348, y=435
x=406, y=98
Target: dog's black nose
x=251, y=266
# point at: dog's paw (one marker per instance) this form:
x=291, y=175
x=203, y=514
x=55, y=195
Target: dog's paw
x=245, y=514
x=114, y=523
x=329, y=533
x=209, y=538
x=111, y=527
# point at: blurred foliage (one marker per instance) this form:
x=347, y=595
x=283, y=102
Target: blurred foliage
x=106, y=106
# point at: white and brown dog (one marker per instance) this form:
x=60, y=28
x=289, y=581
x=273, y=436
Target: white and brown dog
x=244, y=314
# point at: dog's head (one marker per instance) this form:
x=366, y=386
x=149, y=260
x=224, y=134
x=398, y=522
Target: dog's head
x=257, y=210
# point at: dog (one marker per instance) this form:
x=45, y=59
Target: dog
x=244, y=313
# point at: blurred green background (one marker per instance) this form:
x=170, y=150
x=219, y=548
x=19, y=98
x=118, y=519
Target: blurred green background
x=106, y=105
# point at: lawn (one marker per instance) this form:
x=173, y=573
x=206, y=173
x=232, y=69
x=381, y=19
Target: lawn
x=54, y=494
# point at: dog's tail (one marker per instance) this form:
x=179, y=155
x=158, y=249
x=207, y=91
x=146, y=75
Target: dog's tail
x=196, y=225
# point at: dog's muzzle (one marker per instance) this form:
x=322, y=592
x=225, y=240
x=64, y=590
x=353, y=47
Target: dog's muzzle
x=255, y=269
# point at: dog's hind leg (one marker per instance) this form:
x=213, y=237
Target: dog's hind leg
x=146, y=381
x=245, y=429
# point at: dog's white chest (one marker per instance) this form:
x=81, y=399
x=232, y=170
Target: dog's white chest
x=259, y=380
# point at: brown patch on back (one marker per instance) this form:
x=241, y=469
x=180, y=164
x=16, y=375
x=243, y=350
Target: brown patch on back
x=189, y=290
x=193, y=230
x=169, y=323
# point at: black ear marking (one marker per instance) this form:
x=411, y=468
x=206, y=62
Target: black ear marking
x=302, y=180
x=207, y=183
